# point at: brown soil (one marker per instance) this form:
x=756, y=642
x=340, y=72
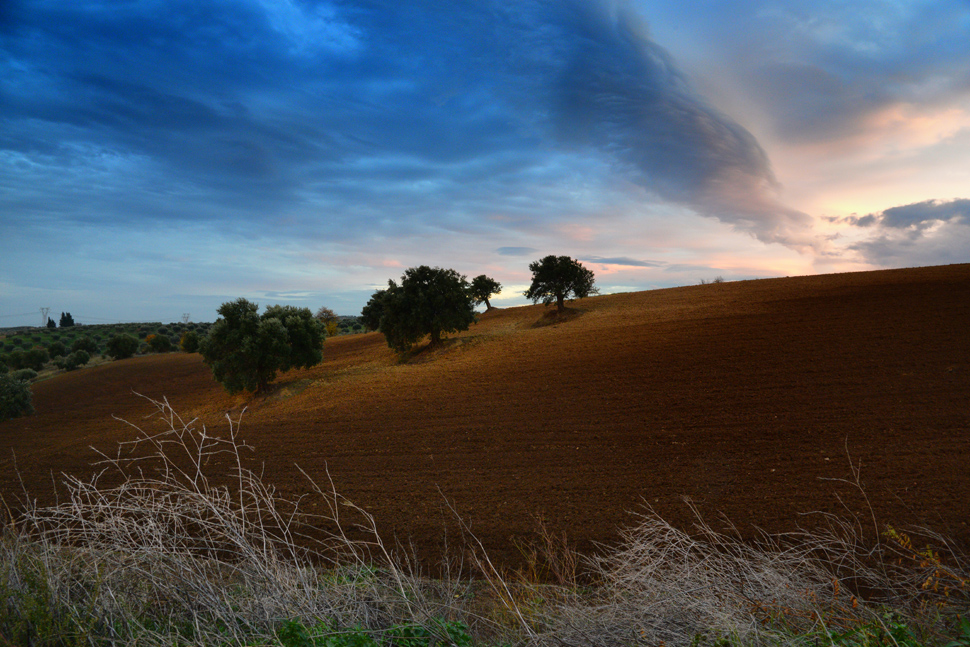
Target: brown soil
x=754, y=399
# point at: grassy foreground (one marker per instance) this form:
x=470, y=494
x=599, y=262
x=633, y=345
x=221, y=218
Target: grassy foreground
x=175, y=542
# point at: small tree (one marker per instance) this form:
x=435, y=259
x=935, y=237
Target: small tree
x=56, y=349
x=14, y=398
x=484, y=287
x=122, y=346
x=190, y=342
x=66, y=320
x=84, y=343
x=329, y=319
x=50, y=323
x=429, y=301
x=246, y=350
x=556, y=278
x=159, y=343
x=35, y=358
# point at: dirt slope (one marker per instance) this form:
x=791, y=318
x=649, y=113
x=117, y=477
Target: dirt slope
x=747, y=397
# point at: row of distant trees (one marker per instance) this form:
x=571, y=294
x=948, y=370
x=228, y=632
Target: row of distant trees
x=246, y=350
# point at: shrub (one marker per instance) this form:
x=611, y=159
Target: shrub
x=86, y=344
x=35, y=358
x=4, y=369
x=24, y=374
x=56, y=349
x=122, y=346
x=245, y=350
x=159, y=343
x=14, y=397
x=17, y=341
x=190, y=342
x=15, y=359
x=162, y=330
x=74, y=360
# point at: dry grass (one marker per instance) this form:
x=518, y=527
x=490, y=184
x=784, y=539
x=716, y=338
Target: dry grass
x=176, y=540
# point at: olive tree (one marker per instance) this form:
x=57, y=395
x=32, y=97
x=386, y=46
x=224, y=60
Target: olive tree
x=246, y=350
x=371, y=315
x=482, y=288
x=122, y=346
x=557, y=278
x=428, y=301
x=14, y=397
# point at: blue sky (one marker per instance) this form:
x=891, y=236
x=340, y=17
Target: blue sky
x=161, y=157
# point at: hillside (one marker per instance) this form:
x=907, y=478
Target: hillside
x=750, y=398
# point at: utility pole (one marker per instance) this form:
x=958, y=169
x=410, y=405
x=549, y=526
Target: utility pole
x=43, y=316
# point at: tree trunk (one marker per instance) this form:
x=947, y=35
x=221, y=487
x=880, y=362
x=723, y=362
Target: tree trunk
x=560, y=302
x=435, y=339
x=488, y=306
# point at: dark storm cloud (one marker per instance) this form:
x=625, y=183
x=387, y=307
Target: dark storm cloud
x=353, y=118
x=916, y=216
x=923, y=233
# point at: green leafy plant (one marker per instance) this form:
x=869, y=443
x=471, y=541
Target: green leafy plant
x=122, y=346
x=189, y=342
x=84, y=343
x=159, y=343
x=15, y=397
x=246, y=350
x=557, y=278
x=482, y=288
x=429, y=301
x=56, y=349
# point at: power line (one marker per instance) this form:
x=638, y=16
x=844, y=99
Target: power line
x=24, y=314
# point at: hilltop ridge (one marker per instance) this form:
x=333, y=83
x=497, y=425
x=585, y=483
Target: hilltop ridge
x=751, y=398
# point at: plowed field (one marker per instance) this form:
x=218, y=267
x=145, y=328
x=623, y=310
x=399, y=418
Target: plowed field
x=753, y=399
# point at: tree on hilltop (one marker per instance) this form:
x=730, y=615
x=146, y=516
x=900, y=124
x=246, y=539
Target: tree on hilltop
x=556, y=278
x=482, y=288
x=66, y=320
x=429, y=301
x=245, y=350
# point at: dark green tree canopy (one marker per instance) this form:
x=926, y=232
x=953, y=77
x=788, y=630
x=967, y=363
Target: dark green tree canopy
x=66, y=320
x=84, y=343
x=245, y=350
x=483, y=288
x=50, y=323
x=190, y=341
x=371, y=315
x=122, y=346
x=429, y=301
x=557, y=278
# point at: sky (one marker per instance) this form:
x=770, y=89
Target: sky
x=161, y=157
